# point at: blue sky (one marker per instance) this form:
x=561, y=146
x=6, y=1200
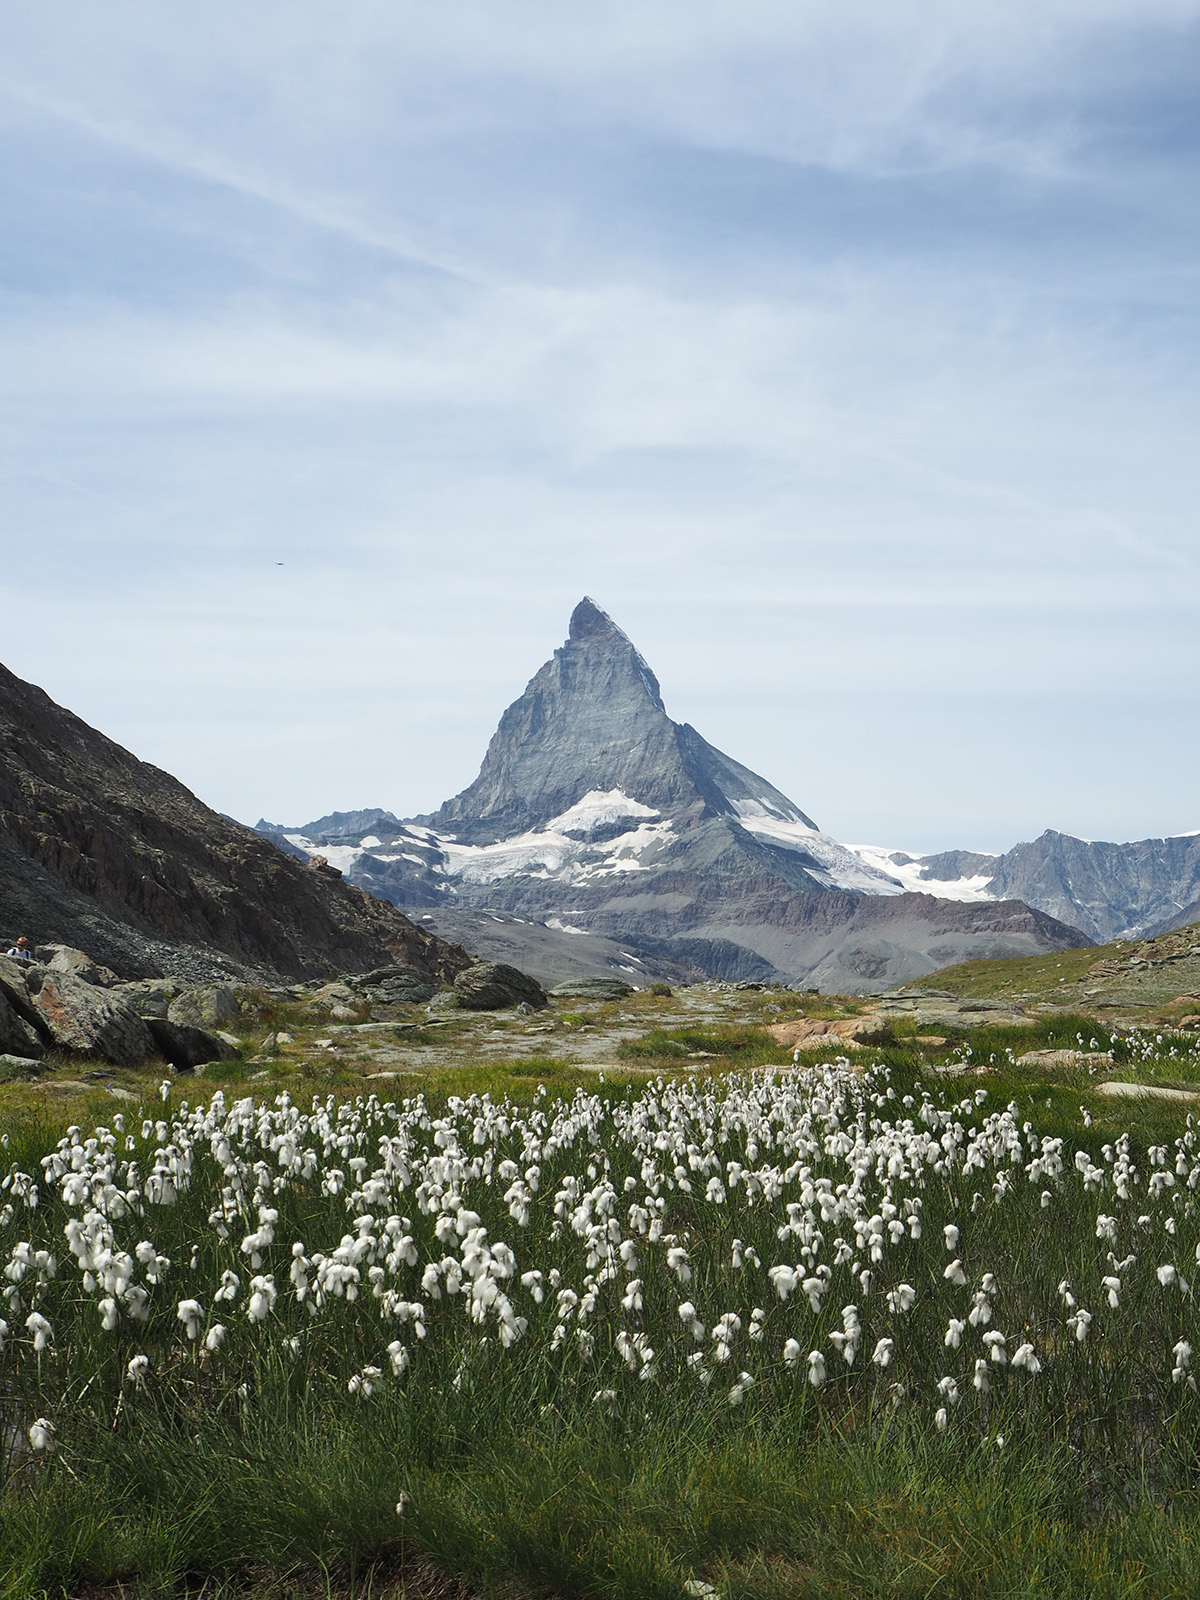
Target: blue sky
x=845, y=353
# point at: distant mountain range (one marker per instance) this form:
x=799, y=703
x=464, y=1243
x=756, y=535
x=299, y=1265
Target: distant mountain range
x=596, y=816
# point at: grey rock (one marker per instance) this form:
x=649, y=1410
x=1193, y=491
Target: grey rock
x=92, y=1021
x=150, y=997
x=17, y=1036
x=592, y=989
x=15, y=1067
x=65, y=958
x=492, y=985
x=185, y=1048
x=204, y=1008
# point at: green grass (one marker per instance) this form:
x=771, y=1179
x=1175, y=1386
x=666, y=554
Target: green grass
x=1017, y=976
x=735, y=1046
x=519, y=1482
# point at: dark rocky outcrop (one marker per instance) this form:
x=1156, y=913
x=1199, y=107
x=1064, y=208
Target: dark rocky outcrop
x=186, y=1048
x=491, y=986
x=17, y=1037
x=101, y=851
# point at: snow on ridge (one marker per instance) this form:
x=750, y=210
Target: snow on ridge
x=843, y=868
x=753, y=810
x=909, y=873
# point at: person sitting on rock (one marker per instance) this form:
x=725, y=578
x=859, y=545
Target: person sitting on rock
x=21, y=951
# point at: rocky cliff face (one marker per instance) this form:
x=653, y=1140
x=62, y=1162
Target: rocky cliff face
x=1110, y=891
x=101, y=850
x=593, y=722
x=595, y=813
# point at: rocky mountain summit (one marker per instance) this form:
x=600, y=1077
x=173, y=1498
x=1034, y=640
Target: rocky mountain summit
x=102, y=851
x=594, y=814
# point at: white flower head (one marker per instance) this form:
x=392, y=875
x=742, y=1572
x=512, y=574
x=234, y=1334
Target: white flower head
x=41, y=1435
x=138, y=1370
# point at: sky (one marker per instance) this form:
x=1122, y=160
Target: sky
x=845, y=353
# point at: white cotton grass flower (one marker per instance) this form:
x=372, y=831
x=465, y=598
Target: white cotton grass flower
x=996, y=1347
x=981, y=1381
x=687, y=1315
x=364, y=1383
x=1080, y=1324
x=949, y=1390
x=215, y=1337
x=883, y=1352
x=954, y=1333
x=792, y=1351
x=739, y=1390
x=399, y=1357
x=41, y=1435
x=1113, y=1286
x=955, y=1274
x=263, y=1295
x=41, y=1330
x=191, y=1314
x=1183, y=1359
x=951, y=1236
x=902, y=1298
x=138, y=1370
x=403, y=1504
x=1024, y=1359
x=941, y=1419
x=816, y=1368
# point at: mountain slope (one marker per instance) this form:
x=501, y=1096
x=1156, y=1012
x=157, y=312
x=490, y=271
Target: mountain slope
x=1110, y=891
x=594, y=809
x=101, y=850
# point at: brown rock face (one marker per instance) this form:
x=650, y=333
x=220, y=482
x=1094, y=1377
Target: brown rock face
x=101, y=851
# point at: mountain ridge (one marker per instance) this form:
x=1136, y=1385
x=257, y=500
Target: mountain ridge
x=592, y=807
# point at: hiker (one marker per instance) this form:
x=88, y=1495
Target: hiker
x=21, y=951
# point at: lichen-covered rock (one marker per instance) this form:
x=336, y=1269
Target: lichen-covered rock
x=592, y=989
x=150, y=997
x=204, y=1008
x=492, y=985
x=92, y=1021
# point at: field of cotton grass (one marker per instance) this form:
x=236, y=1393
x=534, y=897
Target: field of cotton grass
x=789, y=1332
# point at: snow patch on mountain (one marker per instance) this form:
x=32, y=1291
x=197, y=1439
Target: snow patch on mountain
x=839, y=866
x=910, y=871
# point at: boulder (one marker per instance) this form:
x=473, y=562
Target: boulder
x=17, y=1036
x=185, y=1048
x=592, y=989
x=394, y=986
x=65, y=958
x=856, y=1032
x=92, y=1021
x=150, y=997
x=204, y=1008
x=492, y=985
x=1057, y=1060
x=15, y=1067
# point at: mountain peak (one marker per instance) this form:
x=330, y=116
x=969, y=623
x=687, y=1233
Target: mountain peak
x=592, y=721
x=588, y=621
